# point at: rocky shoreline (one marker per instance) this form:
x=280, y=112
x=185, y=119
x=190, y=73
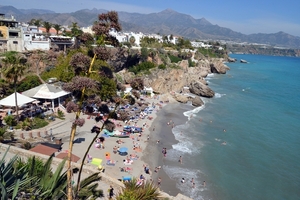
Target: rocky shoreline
x=183, y=83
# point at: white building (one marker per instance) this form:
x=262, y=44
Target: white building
x=200, y=45
x=17, y=37
x=10, y=34
x=87, y=30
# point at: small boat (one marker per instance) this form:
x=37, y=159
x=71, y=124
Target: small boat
x=243, y=61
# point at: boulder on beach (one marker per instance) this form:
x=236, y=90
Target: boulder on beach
x=197, y=101
x=198, y=88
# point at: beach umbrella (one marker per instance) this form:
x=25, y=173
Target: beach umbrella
x=96, y=161
x=123, y=149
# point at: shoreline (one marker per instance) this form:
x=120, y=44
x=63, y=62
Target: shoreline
x=154, y=156
x=164, y=133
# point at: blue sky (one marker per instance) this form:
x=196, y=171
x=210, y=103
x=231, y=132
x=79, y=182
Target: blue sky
x=251, y=16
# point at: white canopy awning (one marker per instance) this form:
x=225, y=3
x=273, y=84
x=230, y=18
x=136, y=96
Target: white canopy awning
x=46, y=91
x=21, y=99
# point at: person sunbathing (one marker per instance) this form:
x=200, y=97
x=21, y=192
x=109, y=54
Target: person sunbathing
x=127, y=162
x=119, y=141
x=111, y=162
x=133, y=157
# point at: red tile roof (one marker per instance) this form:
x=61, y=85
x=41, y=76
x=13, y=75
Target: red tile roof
x=42, y=149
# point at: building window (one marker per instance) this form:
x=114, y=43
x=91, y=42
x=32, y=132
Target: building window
x=15, y=42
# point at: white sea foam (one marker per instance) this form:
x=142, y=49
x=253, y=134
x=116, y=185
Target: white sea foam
x=217, y=95
x=191, y=113
x=186, y=144
x=209, y=76
x=183, y=147
x=177, y=173
x=244, y=89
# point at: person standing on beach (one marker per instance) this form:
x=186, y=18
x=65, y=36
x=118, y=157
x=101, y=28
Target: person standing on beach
x=180, y=159
x=159, y=181
x=164, y=151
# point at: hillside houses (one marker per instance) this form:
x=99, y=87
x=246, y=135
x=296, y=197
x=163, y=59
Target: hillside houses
x=15, y=36
x=133, y=36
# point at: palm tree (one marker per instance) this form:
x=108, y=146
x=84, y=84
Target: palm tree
x=14, y=69
x=47, y=26
x=36, y=22
x=75, y=32
x=57, y=27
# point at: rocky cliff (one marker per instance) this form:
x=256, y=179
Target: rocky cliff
x=184, y=83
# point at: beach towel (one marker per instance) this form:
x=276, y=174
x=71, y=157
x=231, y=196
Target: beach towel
x=126, y=178
x=138, y=150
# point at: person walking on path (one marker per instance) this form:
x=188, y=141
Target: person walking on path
x=111, y=192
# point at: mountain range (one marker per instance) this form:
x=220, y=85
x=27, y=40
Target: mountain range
x=165, y=22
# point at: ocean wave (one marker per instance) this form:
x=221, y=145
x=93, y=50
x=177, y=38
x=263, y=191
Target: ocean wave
x=191, y=113
x=177, y=173
x=209, y=76
x=218, y=95
x=186, y=144
x=183, y=147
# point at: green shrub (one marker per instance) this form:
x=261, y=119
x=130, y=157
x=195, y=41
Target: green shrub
x=39, y=123
x=162, y=66
x=191, y=63
x=174, y=59
x=144, y=53
x=10, y=120
x=60, y=114
x=28, y=82
x=144, y=66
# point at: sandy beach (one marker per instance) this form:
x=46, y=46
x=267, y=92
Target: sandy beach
x=148, y=151
x=163, y=131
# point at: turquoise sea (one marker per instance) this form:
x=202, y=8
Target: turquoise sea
x=256, y=111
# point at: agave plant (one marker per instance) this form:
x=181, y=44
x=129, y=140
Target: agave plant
x=12, y=179
x=49, y=184
x=135, y=191
x=52, y=186
x=89, y=187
